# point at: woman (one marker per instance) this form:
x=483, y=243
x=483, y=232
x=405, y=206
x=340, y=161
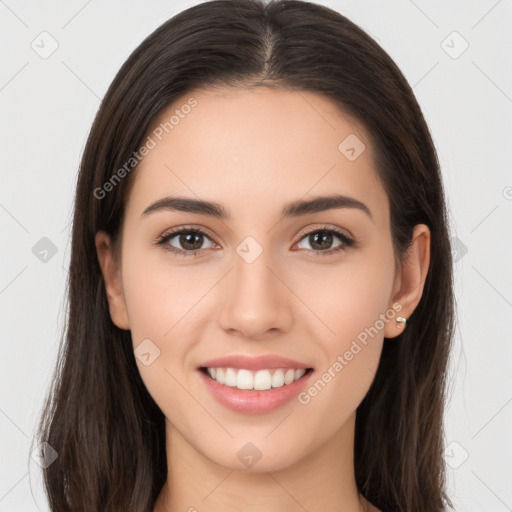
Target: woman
x=260, y=288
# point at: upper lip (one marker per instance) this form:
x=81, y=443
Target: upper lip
x=253, y=362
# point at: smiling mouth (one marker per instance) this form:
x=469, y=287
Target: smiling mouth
x=260, y=380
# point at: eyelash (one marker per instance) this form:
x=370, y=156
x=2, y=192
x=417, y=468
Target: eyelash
x=346, y=241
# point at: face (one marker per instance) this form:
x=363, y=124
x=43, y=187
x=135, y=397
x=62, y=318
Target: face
x=313, y=285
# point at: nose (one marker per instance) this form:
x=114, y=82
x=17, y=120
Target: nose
x=257, y=300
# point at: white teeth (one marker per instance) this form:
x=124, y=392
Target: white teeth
x=278, y=379
x=289, y=377
x=259, y=381
x=244, y=379
x=230, y=377
x=262, y=380
x=299, y=373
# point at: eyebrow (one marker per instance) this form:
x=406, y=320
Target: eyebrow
x=294, y=209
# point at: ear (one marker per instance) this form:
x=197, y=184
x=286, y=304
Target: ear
x=410, y=279
x=111, y=271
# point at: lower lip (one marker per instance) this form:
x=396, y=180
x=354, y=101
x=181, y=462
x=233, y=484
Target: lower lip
x=251, y=401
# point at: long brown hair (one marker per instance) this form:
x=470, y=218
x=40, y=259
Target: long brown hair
x=107, y=430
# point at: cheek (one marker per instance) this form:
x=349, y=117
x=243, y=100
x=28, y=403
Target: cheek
x=165, y=304
x=353, y=302
x=352, y=296
x=161, y=296
x=159, y=310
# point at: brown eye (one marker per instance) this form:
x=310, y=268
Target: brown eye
x=185, y=242
x=191, y=241
x=321, y=241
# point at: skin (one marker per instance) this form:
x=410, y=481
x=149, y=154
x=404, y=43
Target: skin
x=253, y=151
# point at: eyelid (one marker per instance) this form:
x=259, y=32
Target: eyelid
x=176, y=231
x=324, y=227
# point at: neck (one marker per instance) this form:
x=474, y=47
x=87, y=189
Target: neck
x=323, y=480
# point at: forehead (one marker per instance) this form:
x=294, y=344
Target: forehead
x=257, y=149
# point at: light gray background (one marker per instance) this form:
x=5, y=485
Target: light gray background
x=47, y=107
